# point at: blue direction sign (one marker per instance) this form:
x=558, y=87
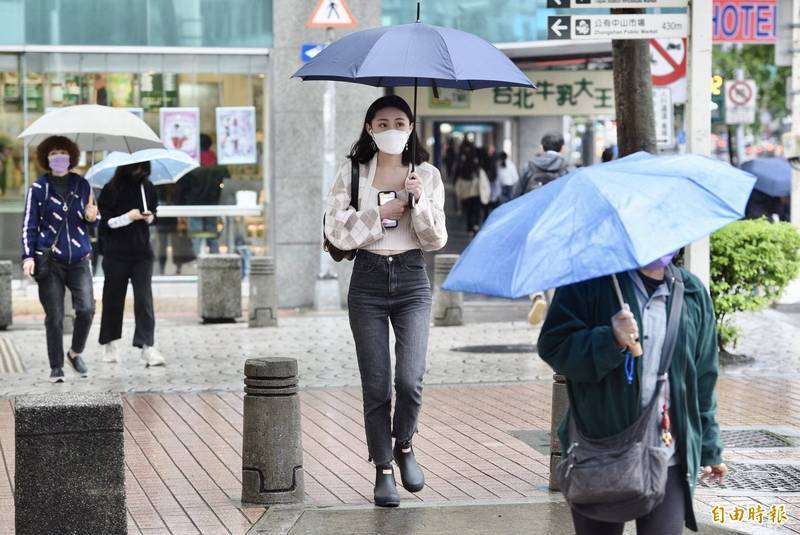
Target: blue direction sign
x=310, y=51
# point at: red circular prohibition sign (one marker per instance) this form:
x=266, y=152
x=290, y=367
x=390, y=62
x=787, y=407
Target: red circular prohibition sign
x=678, y=68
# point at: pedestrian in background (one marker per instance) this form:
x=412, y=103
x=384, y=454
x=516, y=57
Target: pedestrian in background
x=507, y=175
x=547, y=166
x=469, y=178
x=56, y=249
x=585, y=338
x=389, y=284
x=128, y=205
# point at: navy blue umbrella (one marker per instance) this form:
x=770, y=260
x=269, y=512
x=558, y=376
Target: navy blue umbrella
x=774, y=175
x=415, y=55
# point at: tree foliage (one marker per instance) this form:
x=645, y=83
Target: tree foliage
x=752, y=262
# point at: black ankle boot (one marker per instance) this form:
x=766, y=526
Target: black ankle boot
x=386, y=487
x=410, y=473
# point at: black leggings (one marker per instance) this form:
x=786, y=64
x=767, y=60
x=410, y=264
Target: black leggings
x=666, y=519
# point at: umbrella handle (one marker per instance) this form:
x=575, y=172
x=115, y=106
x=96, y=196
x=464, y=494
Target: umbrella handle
x=636, y=347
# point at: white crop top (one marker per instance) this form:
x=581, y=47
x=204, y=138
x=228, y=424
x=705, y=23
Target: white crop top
x=398, y=239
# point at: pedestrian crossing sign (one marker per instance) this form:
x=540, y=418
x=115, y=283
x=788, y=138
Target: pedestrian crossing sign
x=331, y=14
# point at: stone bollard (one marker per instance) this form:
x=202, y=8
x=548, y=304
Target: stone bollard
x=447, y=306
x=272, y=448
x=70, y=470
x=263, y=303
x=5, y=294
x=219, y=287
x=560, y=403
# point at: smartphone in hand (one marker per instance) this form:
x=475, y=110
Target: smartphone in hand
x=383, y=198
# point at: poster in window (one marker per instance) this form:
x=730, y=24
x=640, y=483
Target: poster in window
x=180, y=130
x=120, y=88
x=236, y=135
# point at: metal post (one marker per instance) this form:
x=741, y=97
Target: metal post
x=795, y=206
x=739, y=127
x=699, y=116
x=326, y=288
x=272, y=448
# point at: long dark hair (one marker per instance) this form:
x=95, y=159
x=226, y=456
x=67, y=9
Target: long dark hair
x=364, y=149
x=125, y=175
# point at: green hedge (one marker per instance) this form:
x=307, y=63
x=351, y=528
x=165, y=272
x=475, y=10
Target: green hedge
x=752, y=262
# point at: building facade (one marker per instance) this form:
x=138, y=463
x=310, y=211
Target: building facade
x=211, y=56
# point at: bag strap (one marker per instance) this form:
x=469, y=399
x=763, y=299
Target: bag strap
x=674, y=321
x=354, y=179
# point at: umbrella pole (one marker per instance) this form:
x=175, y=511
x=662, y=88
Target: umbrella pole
x=414, y=132
x=636, y=348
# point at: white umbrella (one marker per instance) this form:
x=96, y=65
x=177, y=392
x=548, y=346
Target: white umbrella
x=166, y=166
x=94, y=128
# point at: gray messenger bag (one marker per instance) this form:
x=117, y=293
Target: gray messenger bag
x=623, y=477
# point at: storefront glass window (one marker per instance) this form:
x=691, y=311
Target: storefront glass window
x=211, y=107
x=497, y=21
x=189, y=23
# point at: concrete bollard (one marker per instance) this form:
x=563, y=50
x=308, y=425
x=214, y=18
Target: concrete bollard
x=447, y=306
x=263, y=303
x=272, y=448
x=219, y=287
x=70, y=465
x=559, y=406
x=5, y=294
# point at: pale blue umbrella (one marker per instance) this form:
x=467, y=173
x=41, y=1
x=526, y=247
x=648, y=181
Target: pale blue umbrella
x=166, y=166
x=600, y=220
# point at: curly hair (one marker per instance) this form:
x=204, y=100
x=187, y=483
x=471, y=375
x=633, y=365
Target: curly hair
x=57, y=143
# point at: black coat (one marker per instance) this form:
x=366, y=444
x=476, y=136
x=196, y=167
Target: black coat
x=131, y=242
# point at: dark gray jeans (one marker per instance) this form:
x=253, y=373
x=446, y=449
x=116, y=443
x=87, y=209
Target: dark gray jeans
x=384, y=289
x=78, y=278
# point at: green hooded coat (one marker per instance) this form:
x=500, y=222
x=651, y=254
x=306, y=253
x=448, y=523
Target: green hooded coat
x=577, y=341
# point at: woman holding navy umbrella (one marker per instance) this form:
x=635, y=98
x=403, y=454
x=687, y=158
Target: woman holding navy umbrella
x=389, y=233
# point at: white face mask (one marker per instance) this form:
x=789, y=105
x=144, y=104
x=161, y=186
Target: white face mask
x=391, y=141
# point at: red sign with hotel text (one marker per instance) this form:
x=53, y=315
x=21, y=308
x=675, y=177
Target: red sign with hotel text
x=745, y=21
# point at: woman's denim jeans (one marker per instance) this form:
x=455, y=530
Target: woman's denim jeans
x=384, y=289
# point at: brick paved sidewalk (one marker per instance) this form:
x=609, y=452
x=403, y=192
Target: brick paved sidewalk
x=184, y=464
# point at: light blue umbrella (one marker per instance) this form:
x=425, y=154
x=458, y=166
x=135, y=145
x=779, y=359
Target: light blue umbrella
x=600, y=220
x=774, y=175
x=166, y=166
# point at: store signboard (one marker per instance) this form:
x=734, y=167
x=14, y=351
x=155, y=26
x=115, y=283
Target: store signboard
x=664, y=116
x=588, y=93
x=744, y=21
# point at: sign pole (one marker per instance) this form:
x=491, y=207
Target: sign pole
x=739, y=127
x=326, y=289
x=699, y=116
x=795, y=51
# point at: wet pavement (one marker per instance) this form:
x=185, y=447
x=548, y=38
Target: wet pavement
x=540, y=518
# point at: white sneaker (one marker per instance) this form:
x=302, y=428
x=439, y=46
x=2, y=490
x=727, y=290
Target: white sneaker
x=111, y=354
x=152, y=357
